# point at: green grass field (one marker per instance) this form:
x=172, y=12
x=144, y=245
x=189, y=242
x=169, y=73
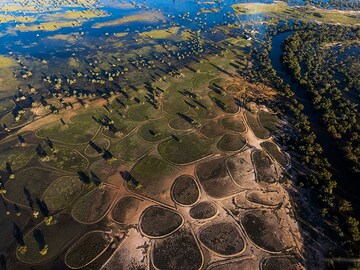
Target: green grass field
x=62, y=192
x=186, y=149
x=57, y=236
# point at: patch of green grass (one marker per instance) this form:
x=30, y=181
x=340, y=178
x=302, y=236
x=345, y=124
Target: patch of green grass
x=225, y=102
x=29, y=185
x=269, y=121
x=207, y=109
x=67, y=159
x=9, y=119
x=6, y=105
x=152, y=174
x=255, y=126
x=81, y=129
x=62, y=192
x=91, y=207
x=57, y=236
x=201, y=81
x=235, y=124
x=144, y=112
x=17, y=155
x=220, y=83
x=130, y=148
x=186, y=149
x=7, y=222
x=174, y=103
x=155, y=131
x=121, y=126
x=104, y=169
x=275, y=152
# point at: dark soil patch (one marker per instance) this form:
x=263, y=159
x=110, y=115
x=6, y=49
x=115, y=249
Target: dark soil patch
x=223, y=238
x=203, y=210
x=124, y=209
x=92, y=207
x=86, y=249
x=212, y=130
x=215, y=179
x=230, y=142
x=158, y=221
x=184, y=190
x=180, y=124
x=235, y=124
x=265, y=170
x=178, y=251
x=263, y=229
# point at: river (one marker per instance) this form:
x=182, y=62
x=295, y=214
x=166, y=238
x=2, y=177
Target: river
x=339, y=167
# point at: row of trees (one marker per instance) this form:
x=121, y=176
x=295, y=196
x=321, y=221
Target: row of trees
x=302, y=140
x=326, y=71
x=337, y=4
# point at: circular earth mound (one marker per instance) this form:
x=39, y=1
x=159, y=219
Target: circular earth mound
x=87, y=249
x=215, y=179
x=92, y=207
x=184, y=190
x=96, y=147
x=185, y=149
x=180, y=124
x=264, y=167
x=231, y=142
x=264, y=230
x=235, y=124
x=275, y=152
x=274, y=263
x=223, y=238
x=266, y=198
x=62, y=192
x=212, y=130
x=124, y=209
x=203, y=210
x=57, y=236
x=104, y=169
x=178, y=251
x=158, y=221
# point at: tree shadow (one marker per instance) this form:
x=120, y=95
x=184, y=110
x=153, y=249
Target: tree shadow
x=21, y=138
x=83, y=177
x=28, y=198
x=95, y=147
x=95, y=178
x=2, y=262
x=39, y=237
x=8, y=168
x=18, y=234
x=128, y=177
x=185, y=117
x=42, y=207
